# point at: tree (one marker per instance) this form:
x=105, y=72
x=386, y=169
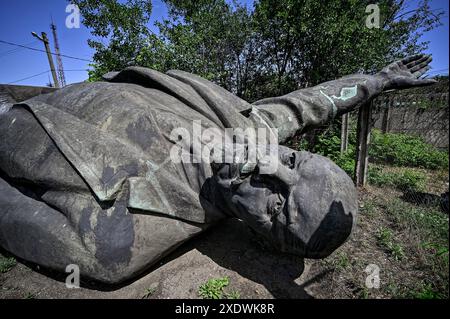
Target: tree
x=278, y=47
x=122, y=25
x=306, y=42
x=208, y=38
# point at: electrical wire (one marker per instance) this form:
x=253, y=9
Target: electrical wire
x=29, y=77
x=2, y=54
x=39, y=50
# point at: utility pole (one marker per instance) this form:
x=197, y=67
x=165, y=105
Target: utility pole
x=363, y=140
x=44, y=39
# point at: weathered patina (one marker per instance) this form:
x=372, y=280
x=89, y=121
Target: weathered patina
x=86, y=177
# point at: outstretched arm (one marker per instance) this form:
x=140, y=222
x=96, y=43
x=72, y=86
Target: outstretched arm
x=315, y=106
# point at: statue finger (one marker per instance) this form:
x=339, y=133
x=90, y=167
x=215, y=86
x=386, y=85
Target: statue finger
x=425, y=70
x=422, y=65
x=423, y=82
x=414, y=63
x=421, y=72
x=411, y=58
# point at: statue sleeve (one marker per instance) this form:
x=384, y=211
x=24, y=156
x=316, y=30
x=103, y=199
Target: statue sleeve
x=312, y=107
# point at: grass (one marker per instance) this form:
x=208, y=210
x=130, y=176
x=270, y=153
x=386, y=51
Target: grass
x=148, y=293
x=426, y=292
x=6, y=264
x=405, y=150
x=29, y=295
x=385, y=240
x=368, y=208
x=408, y=242
x=400, y=178
x=214, y=289
x=342, y=261
x=430, y=225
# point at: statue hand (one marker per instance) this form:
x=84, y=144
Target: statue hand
x=406, y=73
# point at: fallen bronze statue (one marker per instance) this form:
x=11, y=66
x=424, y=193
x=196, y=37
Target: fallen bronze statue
x=86, y=175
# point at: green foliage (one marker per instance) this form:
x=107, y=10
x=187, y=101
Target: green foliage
x=277, y=47
x=148, y=292
x=123, y=24
x=405, y=179
x=439, y=250
x=30, y=295
x=395, y=149
x=346, y=161
x=342, y=261
x=431, y=225
x=214, y=289
x=405, y=150
x=328, y=144
x=426, y=292
x=385, y=239
x=368, y=208
x=6, y=264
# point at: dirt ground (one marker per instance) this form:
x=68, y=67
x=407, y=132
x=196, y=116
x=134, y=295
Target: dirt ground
x=226, y=250
x=255, y=271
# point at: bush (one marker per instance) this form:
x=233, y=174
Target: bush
x=405, y=150
x=405, y=180
x=395, y=149
x=346, y=161
x=328, y=144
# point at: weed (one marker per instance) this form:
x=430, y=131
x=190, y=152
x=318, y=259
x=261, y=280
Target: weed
x=385, y=239
x=342, y=262
x=214, y=289
x=29, y=295
x=6, y=264
x=429, y=224
x=426, y=292
x=368, y=207
x=148, y=292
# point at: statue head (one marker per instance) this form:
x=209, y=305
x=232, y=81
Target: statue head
x=307, y=206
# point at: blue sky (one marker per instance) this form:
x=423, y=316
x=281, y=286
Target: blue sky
x=19, y=17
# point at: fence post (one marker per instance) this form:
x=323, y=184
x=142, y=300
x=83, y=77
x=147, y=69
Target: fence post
x=386, y=114
x=362, y=147
x=344, y=133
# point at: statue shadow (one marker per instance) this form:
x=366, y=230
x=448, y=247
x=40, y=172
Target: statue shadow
x=426, y=199
x=234, y=246
x=231, y=245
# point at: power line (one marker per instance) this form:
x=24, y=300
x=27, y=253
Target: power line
x=29, y=77
x=32, y=76
x=62, y=55
x=16, y=49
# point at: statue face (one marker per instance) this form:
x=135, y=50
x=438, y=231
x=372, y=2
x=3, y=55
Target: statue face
x=307, y=207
